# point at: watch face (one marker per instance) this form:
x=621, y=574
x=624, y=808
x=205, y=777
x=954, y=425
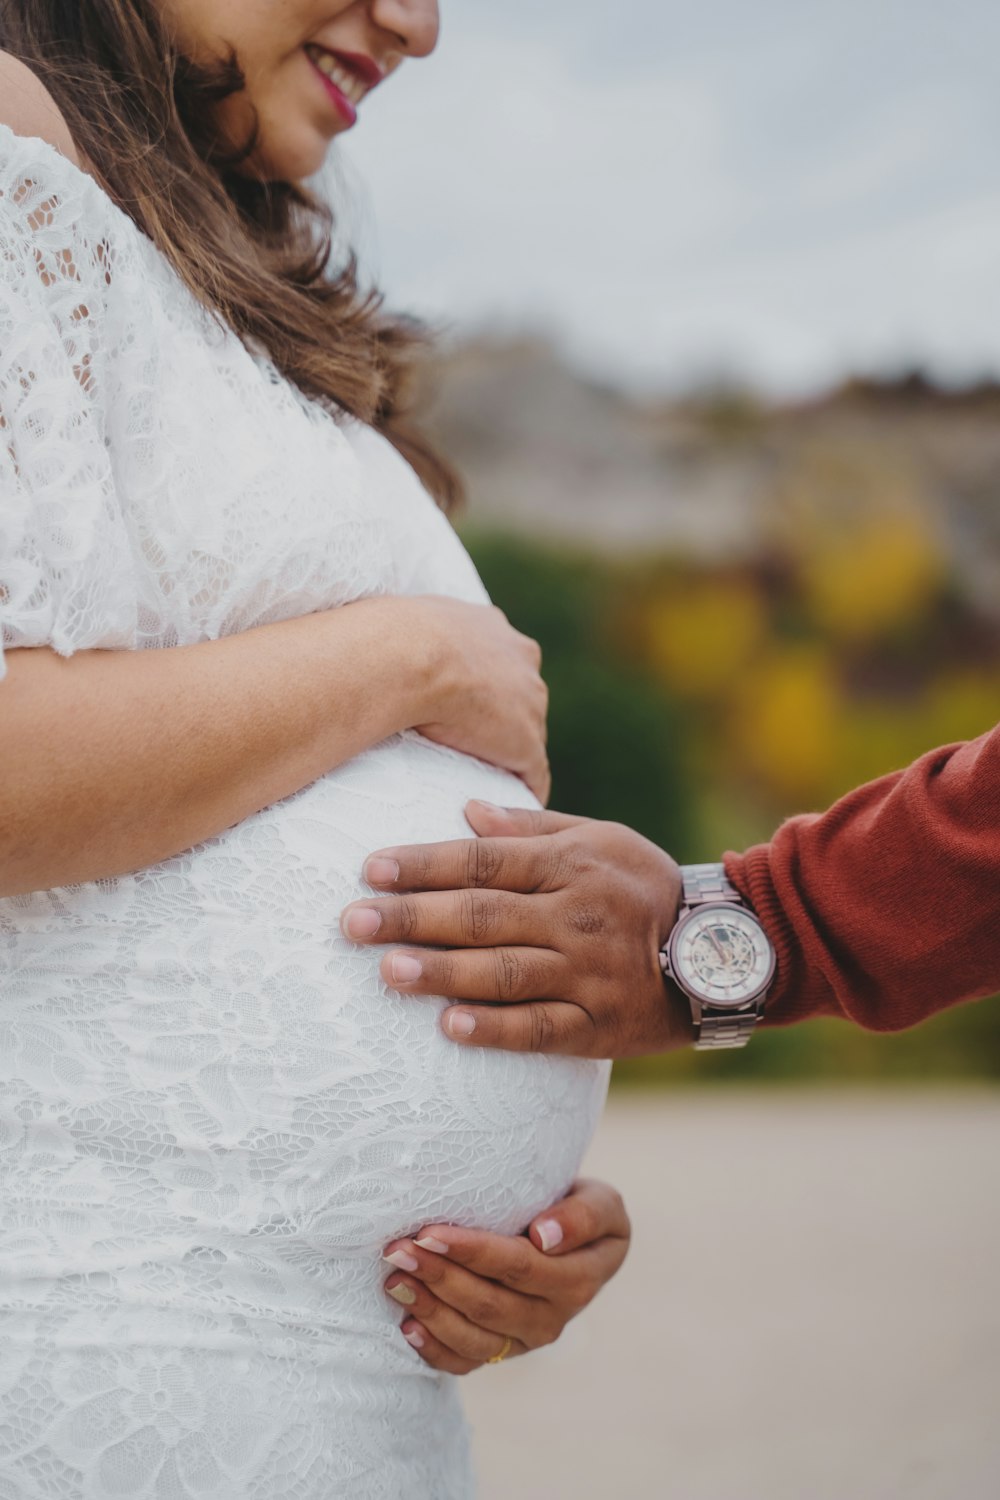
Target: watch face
x=722, y=954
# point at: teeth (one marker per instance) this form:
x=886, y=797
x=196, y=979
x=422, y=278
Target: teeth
x=348, y=83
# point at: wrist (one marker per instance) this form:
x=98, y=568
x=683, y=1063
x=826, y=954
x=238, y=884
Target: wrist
x=440, y=687
x=374, y=653
x=719, y=958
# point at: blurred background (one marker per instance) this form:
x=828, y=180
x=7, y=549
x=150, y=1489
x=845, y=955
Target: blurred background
x=719, y=287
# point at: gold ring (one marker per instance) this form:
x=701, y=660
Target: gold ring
x=498, y=1359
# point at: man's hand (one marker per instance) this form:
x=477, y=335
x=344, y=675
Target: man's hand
x=559, y=919
x=471, y=1296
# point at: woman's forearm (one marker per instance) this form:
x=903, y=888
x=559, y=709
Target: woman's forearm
x=111, y=761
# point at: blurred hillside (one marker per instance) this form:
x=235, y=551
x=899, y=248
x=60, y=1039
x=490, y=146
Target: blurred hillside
x=551, y=455
x=745, y=610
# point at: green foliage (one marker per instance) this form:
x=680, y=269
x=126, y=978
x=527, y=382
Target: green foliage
x=959, y=1045
x=616, y=740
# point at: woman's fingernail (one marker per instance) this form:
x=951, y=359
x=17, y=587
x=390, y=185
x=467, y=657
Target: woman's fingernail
x=415, y=1337
x=403, y=1293
x=405, y=970
x=460, y=1023
x=403, y=1261
x=362, y=922
x=550, y=1233
x=380, y=871
x=436, y=1247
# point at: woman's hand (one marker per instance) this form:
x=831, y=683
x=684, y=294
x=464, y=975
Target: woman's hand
x=490, y=699
x=467, y=1292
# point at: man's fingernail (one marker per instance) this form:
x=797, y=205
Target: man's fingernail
x=414, y=1337
x=550, y=1233
x=403, y=1261
x=362, y=922
x=405, y=970
x=489, y=807
x=402, y=1293
x=460, y=1023
x=380, y=871
x=436, y=1247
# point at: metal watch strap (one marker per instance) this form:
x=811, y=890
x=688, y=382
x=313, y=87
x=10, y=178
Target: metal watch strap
x=726, y=1031
x=704, y=884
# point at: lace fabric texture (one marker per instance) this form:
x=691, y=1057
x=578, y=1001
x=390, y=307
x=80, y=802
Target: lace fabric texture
x=212, y=1113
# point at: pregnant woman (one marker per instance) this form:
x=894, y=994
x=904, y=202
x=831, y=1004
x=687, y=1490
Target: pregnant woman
x=242, y=647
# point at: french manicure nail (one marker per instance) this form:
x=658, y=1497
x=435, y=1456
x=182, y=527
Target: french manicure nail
x=380, y=871
x=363, y=922
x=460, y=1023
x=402, y=1293
x=405, y=970
x=550, y=1233
x=436, y=1247
x=414, y=1337
x=403, y=1261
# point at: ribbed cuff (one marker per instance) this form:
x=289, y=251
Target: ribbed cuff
x=751, y=875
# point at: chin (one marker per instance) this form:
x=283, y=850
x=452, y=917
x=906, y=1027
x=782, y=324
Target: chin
x=292, y=160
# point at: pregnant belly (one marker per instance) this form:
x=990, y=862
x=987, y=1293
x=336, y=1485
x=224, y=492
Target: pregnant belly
x=221, y=1060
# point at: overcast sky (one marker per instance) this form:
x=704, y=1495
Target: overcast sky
x=777, y=190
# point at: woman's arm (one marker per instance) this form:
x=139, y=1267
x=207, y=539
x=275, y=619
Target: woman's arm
x=114, y=760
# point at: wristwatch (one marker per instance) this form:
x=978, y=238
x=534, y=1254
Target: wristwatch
x=720, y=957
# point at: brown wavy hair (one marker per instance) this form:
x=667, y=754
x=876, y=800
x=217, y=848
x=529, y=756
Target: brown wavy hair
x=259, y=254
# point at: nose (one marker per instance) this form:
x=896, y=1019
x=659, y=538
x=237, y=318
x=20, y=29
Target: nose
x=416, y=23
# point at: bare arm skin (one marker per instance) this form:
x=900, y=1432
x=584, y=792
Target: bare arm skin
x=116, y=760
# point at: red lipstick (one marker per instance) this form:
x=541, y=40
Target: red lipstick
x=355, y=75
x=339, y=100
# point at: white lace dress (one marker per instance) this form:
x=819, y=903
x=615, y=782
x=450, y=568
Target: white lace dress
x=212, y=1114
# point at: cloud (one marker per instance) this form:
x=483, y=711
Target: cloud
x=814, y=194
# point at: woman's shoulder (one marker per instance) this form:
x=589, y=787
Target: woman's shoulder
x=54, y=216
x=29, y=110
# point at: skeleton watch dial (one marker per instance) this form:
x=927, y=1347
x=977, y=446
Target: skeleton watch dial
x=721, y=954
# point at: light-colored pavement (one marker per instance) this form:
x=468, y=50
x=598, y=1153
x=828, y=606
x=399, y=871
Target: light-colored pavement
x=811, y=1311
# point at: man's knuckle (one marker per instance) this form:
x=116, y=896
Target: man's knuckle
x=480, y=915
x=586, y=858
x=542, y=1028
x=586, y=918
x=407, y=917
x=507, y=973
x=482, y=863
x=440, y=971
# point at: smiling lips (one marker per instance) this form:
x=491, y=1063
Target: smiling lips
x=348, y=78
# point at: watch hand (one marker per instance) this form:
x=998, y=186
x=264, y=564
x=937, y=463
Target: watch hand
x=715, y=943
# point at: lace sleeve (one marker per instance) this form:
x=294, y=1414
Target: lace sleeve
x=65, y=572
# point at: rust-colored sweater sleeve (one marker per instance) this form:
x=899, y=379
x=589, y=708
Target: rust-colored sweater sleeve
x=886, y=909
